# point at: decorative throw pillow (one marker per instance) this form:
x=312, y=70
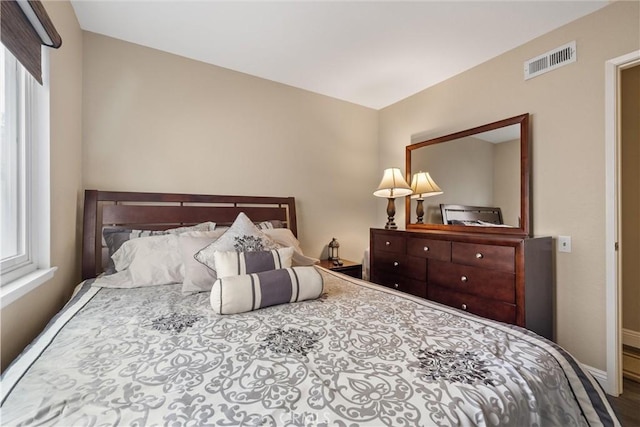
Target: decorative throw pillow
x=239, y=294
x=242, y=236
x=232, y=263
x=197, y=276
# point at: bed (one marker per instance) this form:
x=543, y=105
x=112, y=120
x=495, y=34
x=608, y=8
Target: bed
x=356, y=354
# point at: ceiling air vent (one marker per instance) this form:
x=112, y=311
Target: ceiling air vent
x=550, y=61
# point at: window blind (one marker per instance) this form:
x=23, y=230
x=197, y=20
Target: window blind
x=25, y=28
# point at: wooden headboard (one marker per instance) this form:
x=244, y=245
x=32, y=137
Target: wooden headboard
x=453, y=213
x=160, y=211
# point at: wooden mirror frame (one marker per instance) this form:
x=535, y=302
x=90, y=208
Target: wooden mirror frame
x=524, y=229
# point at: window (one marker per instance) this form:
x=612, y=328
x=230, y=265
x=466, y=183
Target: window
x=24, y=170
x=15, y=247
x=24, y=147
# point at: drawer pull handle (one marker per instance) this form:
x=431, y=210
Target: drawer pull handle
x=464, y=278
x=395, y=263
x=479, y=255
x=464, y=306
x=395, y=285
x=387, y=243
x=426, y=248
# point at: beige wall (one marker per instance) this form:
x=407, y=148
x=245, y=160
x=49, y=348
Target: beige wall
x=26, y=317
x=506, y=189
x=567, y=120
x=630, y=203
x=469, y=181
x=154, y=121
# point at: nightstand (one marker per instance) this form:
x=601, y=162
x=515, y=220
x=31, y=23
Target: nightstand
x=349, y=268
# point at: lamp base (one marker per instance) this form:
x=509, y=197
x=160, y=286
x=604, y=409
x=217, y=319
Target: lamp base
x=419, y=211
x=391, y=212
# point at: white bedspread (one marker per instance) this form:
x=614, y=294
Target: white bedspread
x=359, y=355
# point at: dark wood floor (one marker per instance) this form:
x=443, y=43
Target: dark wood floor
x=627, y=405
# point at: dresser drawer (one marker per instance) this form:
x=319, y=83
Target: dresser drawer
x=389, y=243
x=403, y=284
x=493, y=284
x=507, y=277
x=485, y=256
x=491, y=309
x=429, y=248
x=408, y=266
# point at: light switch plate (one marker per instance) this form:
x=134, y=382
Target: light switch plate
x=564, y=243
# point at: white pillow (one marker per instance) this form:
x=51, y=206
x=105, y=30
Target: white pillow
x=162, y=259
x=242, y=236
x=153, y=260
x=197, y=276
x=203, y=226
x=285, y=238
x=114, y=237
x=213, y=233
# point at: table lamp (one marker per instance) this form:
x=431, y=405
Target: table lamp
x=423, y=186
x=392, y=185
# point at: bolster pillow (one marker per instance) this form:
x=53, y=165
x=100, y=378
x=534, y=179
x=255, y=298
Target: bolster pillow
x=238, y=294
x=236, y=263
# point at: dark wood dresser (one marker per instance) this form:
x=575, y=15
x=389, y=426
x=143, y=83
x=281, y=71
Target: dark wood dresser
x=505, y=278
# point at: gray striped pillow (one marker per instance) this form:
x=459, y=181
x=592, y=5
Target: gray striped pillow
x=231, y=263
x=248, y=292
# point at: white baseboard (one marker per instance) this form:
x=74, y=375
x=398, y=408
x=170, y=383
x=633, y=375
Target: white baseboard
x=631, y=338
x=599, y=375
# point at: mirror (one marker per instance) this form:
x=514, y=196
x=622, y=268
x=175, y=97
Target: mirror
x=478, y=170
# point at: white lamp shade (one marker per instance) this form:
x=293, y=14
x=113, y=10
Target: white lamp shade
x=392, y=185
x=422, y=185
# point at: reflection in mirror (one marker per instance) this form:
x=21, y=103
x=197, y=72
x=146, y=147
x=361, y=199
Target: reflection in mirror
x=422, y=185
x=487, y=166
x=479, y=170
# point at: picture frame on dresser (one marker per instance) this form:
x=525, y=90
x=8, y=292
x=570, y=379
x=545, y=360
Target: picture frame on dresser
x=497, y=271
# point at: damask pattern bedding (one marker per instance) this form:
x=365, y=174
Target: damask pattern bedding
x=359, y=355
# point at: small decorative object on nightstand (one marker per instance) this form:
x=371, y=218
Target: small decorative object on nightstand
x=333, y=254
x=349, y=268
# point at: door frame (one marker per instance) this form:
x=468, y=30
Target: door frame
x=613, y=316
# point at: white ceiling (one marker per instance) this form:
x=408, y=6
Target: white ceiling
x=371, y=53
